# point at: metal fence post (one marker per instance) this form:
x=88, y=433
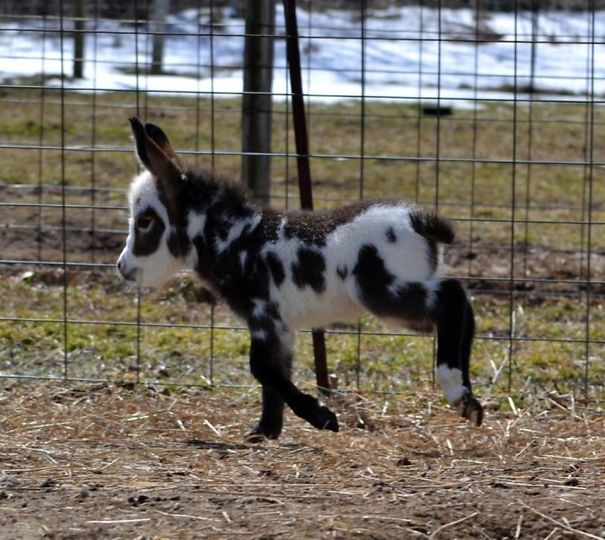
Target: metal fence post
x=303, y=166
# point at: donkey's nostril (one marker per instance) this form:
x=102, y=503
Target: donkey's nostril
x=125, y=272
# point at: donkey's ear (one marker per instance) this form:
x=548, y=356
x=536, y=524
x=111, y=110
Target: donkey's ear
x=159, y=138
x=140, y=141
x=155, y=152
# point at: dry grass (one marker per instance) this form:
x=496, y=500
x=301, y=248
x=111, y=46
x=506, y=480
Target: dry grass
x=110, y=462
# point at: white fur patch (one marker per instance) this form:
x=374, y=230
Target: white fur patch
x=141, y=188
x=259, y=309
x=195, y=224
x=450, y=380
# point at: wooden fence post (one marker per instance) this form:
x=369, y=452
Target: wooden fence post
x=257, y=99
x=79, y=38
x=161, y=8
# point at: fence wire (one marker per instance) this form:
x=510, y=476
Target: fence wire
x=494, y=118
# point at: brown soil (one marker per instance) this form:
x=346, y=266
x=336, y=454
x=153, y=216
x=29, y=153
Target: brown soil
x=110, y=462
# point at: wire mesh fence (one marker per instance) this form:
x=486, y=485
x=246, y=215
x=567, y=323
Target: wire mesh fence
x=494, y=118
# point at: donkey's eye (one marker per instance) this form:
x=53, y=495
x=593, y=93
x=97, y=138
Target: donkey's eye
x=144, y=222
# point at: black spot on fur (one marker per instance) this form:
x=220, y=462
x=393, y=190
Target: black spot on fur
x=342, y=272
x=273, y=311
x=391, y=236
x=276, y=267
x=178, y=243
x=407, y=301
x=148, y=242
x=372, y=276
x=309, y=269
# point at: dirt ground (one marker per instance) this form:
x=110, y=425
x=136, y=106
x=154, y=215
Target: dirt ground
x=82, y=461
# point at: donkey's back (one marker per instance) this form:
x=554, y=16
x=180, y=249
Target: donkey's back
x=324, y=255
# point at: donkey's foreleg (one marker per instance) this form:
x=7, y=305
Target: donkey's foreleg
x=272, y=417
x=270, y=356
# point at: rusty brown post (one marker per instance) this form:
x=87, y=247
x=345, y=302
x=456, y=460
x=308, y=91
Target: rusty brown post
x=302, y=163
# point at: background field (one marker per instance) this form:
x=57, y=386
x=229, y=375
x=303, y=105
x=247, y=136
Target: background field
x=528, y=277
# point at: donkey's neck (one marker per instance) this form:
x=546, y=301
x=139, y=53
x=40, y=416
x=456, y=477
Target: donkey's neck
x=229, y=216
x=221, y=223
x=213, y=206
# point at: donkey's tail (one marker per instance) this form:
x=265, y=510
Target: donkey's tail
x=432, y=227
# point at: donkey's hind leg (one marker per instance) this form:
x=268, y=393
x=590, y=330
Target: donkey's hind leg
x=453, y=315
x=424, y=305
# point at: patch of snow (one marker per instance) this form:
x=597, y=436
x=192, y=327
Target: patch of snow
x=405, y=56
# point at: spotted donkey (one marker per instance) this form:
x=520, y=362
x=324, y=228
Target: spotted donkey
x=280, y=271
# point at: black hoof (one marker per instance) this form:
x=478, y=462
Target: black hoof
x=468, y=407
x=325, y=419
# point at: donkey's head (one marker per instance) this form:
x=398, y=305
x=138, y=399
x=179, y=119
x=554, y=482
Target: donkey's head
x=157, y=245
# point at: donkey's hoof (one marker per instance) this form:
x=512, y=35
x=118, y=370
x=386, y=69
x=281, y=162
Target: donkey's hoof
x=254, y=437
x=470, y=408
x=325, y=419
x=258, y=435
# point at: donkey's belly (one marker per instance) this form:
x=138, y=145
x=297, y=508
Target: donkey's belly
x=305, y=308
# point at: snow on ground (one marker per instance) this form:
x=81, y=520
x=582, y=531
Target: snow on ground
x=405, y=56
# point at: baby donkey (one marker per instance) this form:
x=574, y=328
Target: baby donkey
x=280, y=271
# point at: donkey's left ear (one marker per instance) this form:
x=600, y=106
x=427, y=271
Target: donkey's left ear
x=155, y=152
x=158, y=137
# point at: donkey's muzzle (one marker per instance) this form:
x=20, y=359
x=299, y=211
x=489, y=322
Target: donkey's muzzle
x=129, y=274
